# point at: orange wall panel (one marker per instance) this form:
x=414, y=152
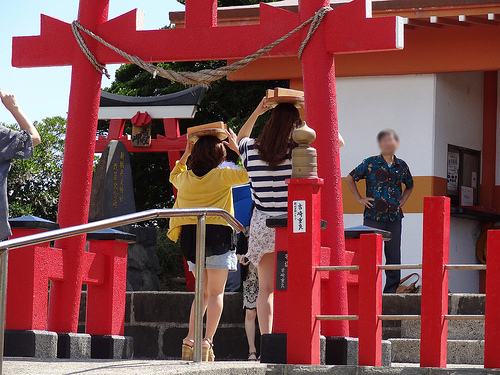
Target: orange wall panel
x=425, y=186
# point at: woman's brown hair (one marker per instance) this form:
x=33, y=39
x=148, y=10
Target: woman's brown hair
x=208, y=152
x=275, y=142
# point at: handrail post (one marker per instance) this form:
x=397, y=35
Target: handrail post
x=3, y=300
x=370, y=300
x=492, y=306
x=434, y=300
x=198, y=294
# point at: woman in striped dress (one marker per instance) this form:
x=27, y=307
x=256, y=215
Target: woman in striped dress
x=267, y=160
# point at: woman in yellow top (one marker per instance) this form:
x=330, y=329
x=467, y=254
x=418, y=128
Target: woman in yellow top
x=205, y=185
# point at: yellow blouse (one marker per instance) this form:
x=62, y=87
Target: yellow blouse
x=210, y=190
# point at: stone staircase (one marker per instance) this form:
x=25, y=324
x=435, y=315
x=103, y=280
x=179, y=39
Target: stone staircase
x=465, y=338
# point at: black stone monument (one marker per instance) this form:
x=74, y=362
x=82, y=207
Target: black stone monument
x=112, y=186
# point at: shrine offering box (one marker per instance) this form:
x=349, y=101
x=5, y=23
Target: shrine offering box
x=280, y=95
x=217, y=129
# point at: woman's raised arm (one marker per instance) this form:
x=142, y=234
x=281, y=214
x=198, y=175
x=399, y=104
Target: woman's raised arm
x=246, y=130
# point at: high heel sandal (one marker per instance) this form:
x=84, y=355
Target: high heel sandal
x=187, y=350
x=207, y=350
x=254, y=355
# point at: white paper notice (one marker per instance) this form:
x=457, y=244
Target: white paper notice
x=466, y=196
x=453, y=160
x=473, y=180
x=299, y=216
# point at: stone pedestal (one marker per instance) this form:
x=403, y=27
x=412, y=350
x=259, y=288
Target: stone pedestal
x=344, y=351
x=112, y=347
x=73, y=345
x=274, y=348
x=30, y=343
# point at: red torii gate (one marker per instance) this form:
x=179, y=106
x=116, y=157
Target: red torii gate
x=347, y=29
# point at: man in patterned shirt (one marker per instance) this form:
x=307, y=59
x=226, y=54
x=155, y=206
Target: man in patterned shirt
x=13, y=145
x=385, y=175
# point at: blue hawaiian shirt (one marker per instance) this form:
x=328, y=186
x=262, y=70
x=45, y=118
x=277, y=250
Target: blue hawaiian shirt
x=384, y=185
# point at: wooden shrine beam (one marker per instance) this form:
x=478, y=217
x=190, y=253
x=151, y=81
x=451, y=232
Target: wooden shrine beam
x=427, y=50
x=207, y=43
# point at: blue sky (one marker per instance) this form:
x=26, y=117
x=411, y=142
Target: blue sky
x=44, y=92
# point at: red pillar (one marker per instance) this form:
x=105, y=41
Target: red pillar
x=116, y=127
x=370, y=301
x=492, y=324
x=436, y=246
x=201, y=13
x=304, y=283
x=64, y=303
x=489, y=152
x=27, y=285
x=106, y=299
x=321, y=114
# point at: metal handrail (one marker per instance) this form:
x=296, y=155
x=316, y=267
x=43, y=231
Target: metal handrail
x=200, y=213
x=133, y=218
x=386, y=267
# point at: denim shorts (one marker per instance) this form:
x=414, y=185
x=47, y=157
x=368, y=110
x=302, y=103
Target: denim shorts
x=226, y=261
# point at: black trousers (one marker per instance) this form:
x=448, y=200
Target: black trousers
x=392, y=250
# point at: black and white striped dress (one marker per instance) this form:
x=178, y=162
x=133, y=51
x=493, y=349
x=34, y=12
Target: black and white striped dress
x=270, y=195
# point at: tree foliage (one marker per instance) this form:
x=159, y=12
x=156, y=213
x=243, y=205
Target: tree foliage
x=33, y=185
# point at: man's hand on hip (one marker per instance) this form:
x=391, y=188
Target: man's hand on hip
x=366, y=202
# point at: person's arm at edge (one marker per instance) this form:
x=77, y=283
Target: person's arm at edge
x=341, y=141
x=351, y=184
x=10, y=102
x=246, y=130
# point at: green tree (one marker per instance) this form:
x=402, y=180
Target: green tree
x=33, y=185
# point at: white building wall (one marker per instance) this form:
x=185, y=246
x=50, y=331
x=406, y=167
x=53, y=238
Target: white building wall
x=459, y=121
x=367, y=105
x=459, y=115
x=428, y=111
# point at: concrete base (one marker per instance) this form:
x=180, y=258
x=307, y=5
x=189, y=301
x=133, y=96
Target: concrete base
x=274, y=349
x=344, y=351
x=112, y=347
x=30, y=366
x=31, y=343
x=73, y=345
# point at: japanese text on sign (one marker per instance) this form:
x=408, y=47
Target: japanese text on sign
x=299, y=216
x=281, y=270
x=118, y=173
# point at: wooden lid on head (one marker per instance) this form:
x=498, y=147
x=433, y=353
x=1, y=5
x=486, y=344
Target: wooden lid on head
x=280, y=95
x=216, y=129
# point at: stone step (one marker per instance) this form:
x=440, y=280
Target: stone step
x=457, y=329
x=469, y=352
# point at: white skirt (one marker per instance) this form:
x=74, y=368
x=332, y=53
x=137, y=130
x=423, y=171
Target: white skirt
x=261, y=239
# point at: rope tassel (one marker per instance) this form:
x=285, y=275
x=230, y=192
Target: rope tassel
x=202, y=77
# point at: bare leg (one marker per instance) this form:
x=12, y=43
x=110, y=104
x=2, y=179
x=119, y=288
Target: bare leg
x=250, y=316
x=190, y=335
x=216, y=282
x=266, y=293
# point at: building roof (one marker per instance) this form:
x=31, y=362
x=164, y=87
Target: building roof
x=413, y=9
x=440, y=36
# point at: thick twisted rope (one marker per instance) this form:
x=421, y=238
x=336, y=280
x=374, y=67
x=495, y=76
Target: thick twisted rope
x=202, y=77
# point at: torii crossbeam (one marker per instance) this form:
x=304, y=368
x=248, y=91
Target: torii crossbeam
x=347, y=29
